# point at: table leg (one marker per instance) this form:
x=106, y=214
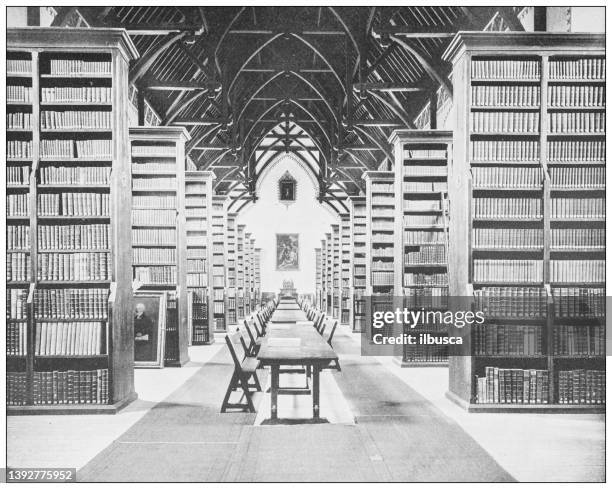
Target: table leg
x=315, y=391
x=274, y=391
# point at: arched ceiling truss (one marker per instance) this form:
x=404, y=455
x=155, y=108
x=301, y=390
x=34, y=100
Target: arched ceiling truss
x=326, y=84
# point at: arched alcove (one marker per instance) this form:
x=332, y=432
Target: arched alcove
x=306, y=217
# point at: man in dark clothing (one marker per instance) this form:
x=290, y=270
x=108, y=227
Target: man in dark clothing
x=144, y=335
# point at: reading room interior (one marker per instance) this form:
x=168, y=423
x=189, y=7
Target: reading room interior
x=215, y=217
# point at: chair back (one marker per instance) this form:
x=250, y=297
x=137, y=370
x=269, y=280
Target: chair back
x=331, y=333
x=255, y=325
x=322, y=329
x=246, y=350
x=319, y=322
x=249, y=332
x=258, y=324
x=232, y=350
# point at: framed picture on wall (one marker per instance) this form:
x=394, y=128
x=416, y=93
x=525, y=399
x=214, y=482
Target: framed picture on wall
x=287, y=252
x=149, y=328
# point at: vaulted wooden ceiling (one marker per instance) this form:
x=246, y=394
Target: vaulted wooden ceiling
x=239, y=77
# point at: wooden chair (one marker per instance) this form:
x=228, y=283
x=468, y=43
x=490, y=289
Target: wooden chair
x=320, y=325
x=258, y=330
x=331, y=333
x=248, y=351
x=315, y=319
x=255, y=342
x=312, y=314
x=262, y=324
x=243, y=371
x=336, y=364
x=322, y=329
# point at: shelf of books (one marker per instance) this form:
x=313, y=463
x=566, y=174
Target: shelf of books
x=69, y=328
x=318, y=279
x=345, y=270
x=198, y=205
x=528, y=219
x=240, y=276
x=159, y=234
x=329, y=284
x=231, y=270
x=421, y=263
x=358, y=276
x=380, y=242
x=257, y=277
x=323, y=306
x=218, y=262
x=252, y=274
x=336, y=269
x=247, y=274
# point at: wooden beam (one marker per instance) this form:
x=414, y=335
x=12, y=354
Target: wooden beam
x=202, y=65
x=371, y=67
x=274, y=99
x=63, y=13
x=510, y=18
x=172, y=85
x=379, y=123
x=152, y=55
x=280, y=69
x=361, y=147
x=198, y=122
x=271, y=32
x=211, y=148
x=415, y=31
x=157, y=29
x=282, y=147
x=387, y=87
x=428, y=65
x=395, y=107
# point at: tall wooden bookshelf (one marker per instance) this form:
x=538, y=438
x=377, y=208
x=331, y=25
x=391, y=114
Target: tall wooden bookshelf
x=318, y=278
x=159, y=233
x=336, y=271
x=527, y=189
x=380, y=242
x=68, y=191
x=257, y=276
x=346, y=309
x=252, y=260
x=329, y=283
x=198, y=208
x=218, y=263
x=323, y=301
x=240, y=275
x=231, y=269
x=358, y=260
x=421, y=233
x=247, y=274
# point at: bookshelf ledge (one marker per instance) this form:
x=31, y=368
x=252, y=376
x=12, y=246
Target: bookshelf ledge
x=59, y=409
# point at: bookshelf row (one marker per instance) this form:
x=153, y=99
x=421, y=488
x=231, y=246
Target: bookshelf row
x=528, y=205
x=420, y=262
x=236, y=280
x=69, y=284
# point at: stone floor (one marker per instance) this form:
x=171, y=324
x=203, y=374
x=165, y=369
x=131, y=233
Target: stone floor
x=385, y=424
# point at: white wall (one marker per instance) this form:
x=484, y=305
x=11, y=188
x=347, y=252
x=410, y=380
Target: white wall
x=588, y=19
x=16, y=16
x=268, y=216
